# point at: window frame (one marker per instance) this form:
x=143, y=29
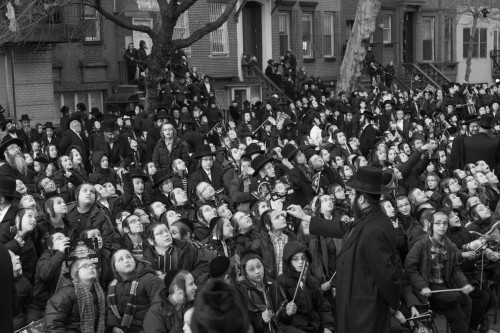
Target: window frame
x=181, y=30
x=87, y=17
x=432, y=19
x=387, y=29
x=329, y=22
x=477, y=51
x=221, y=34
x=288, y=17
x=310, y=54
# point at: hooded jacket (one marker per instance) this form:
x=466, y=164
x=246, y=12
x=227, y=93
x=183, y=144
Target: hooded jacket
x=314, y=313
x=100, y=175
x=149, y=285
x=162, y=316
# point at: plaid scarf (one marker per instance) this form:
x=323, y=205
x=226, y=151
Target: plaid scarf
x=86, y=306
x=131, y=303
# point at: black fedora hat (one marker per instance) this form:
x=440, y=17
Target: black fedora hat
x=42, y=158
x=25, y=117
x=486, y=121
x=253, y=148
x=388, y=101
x=162, y=114
x=368, y=114
x=8, y=187
x=160, y=177
x=109, y=125
x=137, y=173
x=49, y=124
x=369, y=180
x=7, y=143
x=259, y=162
x=469, y=119
x=5, y=122
x=204, y=150
x=288, y=151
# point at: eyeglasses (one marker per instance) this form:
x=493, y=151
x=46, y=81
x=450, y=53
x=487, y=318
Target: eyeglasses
x=14, y=147
x=87, y=266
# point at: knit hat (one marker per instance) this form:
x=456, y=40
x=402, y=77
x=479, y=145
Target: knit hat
x=219, y=266
x=169, y=277
x=218, y=309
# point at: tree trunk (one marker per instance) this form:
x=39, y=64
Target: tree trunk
x=468, y=65
x=364, y=26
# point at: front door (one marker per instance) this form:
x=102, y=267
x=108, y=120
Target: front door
x=408, y=37
x=252, y=31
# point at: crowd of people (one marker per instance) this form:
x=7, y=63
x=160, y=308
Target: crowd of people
x=336, y=213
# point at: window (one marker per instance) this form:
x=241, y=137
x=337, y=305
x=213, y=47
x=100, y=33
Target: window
x=307, y=35
x=90, y=98
x=428, y=39
x=219, y=42
x=328, y=34
x=181, y=30
x=479, y=44
x=349, y=26
x=387, y=27
x=92, y=24
x=284, y=31
x=448, y=39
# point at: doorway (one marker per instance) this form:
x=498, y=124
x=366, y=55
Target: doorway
x=408, y=29
x=252, y=31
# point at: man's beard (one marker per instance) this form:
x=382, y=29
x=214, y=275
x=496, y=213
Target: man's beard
x=12, y=130
x=110, y=140
x=18, y=162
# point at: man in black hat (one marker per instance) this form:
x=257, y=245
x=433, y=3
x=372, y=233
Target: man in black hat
x=26, y=133
x=9, y=126
x=482, y=147
x=368, y=283
x=76, y=137
x=368, y=132
x=207, y=172
x=15, y=165
x=457, y=155
x=455, y=96
x=189, y=132
x=49, y=136
x=113, y=144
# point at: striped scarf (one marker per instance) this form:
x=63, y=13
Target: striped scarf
x=131, y=303
x=86, y=307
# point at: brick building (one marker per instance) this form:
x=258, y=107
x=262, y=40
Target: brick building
x=79, y=56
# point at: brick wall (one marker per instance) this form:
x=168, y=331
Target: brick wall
x=33, y=83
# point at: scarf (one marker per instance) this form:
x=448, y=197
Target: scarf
x=86, y=306
x=131, y=303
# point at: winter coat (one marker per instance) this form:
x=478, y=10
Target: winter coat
x=263, y=245
x=96, y=219
x=256, y=303
x=314, y=313
x=244, y=241
x=163, y=158
x=149, y=285
x=367, y=279
x=418, y=267
x=323, y=253
x=188, y=258
x=48, y=270
x=62, y=314
x=302, y=186
x=24, y=296
x=27, y=252
x=44, y=229
x=100, y=175
x=66, y=192
x=162, y=317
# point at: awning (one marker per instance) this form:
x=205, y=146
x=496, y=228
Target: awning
x=123, y=98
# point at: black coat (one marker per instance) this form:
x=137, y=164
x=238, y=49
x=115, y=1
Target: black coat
x=367, y=278
x=201, y=176
x=8, y=294
x=121, y=148
x=483, y=147
x=367, y=139
x=69, y=139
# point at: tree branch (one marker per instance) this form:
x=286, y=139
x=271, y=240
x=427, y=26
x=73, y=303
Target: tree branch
x=118, y=22
x=185, y=5
x=208, y=28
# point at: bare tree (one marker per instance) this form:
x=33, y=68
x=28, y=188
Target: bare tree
x=26, y=15
x=364, y=26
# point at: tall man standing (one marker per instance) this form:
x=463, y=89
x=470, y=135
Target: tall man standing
x=367, y=279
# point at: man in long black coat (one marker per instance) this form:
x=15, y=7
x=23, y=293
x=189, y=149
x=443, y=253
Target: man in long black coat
x=368, y=133
x=367, y=279
x=113, y=144
x=457, y=156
